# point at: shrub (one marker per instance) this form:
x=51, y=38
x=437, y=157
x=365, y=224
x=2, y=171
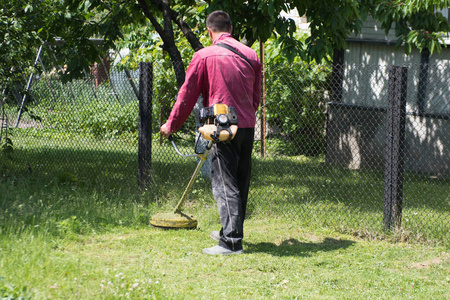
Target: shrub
x=110, y=120
x=102, y=120
x=295, y=103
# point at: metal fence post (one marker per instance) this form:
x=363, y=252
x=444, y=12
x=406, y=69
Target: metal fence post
x=145, y=124
x=395, y=145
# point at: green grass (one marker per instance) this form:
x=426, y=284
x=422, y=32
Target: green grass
x=294, y=187
x=73, y=225
x=348, y=200
x=282, y=260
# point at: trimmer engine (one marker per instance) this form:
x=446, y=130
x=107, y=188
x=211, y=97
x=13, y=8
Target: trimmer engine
x=220, y=122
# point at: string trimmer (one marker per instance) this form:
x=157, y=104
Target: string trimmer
x=219, y=124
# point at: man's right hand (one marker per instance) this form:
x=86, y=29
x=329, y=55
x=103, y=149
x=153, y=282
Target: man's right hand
x=165, y=131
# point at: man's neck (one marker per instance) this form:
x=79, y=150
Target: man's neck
x=216, y=35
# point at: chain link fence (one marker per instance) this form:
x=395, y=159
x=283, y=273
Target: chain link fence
x=322, y=153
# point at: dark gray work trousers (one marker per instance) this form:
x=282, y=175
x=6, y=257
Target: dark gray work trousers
x=230, y=177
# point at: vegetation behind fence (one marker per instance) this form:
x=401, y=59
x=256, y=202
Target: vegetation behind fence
x=321, y=158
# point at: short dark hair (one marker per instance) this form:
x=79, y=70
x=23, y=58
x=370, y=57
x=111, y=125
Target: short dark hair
x=219, y=21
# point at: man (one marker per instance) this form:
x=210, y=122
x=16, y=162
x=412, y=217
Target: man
x=223, y=76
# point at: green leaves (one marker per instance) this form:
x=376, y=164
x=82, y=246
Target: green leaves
x=27, y=24
x=9, y=291
x=28, y=8
x=417, y=24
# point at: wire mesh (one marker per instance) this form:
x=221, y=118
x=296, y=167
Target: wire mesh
x=319, y=152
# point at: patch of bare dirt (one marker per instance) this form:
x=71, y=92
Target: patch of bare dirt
x=428, y=263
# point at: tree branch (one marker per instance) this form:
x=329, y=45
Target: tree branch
x=184, y=27
x=145, y=9
x=166, y=35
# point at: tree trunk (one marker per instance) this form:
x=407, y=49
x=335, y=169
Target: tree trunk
x=166, y=35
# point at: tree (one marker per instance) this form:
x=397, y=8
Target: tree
x=23, y=27
x=28, y=24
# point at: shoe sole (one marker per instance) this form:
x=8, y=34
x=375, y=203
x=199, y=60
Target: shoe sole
x=226, y=253
x=218, y=250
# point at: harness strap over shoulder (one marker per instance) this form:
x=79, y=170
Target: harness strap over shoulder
x=234, y=51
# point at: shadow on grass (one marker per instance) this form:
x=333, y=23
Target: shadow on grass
x=309, y=180
x=67, y=190
x=46, y=169
x=93, y=168
x=293, y=247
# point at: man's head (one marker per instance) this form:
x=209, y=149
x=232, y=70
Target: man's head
x=219, y=21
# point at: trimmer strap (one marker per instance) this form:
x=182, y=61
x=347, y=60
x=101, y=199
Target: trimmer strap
x=234, y=51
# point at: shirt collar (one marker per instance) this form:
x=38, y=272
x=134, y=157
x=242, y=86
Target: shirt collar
x=222, y=37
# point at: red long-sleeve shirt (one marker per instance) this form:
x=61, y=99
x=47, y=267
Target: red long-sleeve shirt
x=221, y=76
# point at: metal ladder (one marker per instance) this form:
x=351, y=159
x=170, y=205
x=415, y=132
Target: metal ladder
x=3, y=119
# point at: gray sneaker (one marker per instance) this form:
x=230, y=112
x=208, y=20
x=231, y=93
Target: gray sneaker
x=215, y=235
x=219, y=250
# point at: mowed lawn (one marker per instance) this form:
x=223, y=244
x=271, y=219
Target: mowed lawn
x=282, y=260
x=73, y=226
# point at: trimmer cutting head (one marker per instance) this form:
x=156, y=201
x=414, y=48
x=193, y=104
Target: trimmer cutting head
x=173, y=220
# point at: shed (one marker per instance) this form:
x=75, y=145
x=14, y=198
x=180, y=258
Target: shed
x=356, y=124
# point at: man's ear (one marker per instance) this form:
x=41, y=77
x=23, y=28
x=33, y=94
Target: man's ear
x=210, y=33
